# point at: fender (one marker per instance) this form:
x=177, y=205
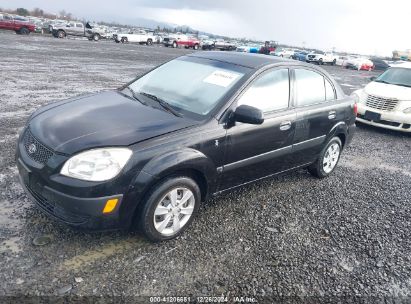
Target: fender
x=161, y=166
x=339, y=128
x=173, y=161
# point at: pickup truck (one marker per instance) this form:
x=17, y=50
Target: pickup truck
x=182, y=40
x=221, y=44
x=139, y=37
x=8, y=22
x=75, y=28
x=322, y=58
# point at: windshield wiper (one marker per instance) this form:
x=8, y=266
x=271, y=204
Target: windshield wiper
x=134, y=94
x=162, y=103
x=382, y=81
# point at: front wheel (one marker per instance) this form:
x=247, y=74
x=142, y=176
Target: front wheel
x=170, y=208
x=195, y=46
x=328, y=159
x=24, y=31
x=174, y=44
x=96, y=37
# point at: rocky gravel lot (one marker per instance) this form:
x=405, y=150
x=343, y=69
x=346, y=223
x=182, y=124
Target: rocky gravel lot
x=292, y=238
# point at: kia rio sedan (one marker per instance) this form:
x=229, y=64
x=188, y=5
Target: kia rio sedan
x=386, y=101
x=146, y=155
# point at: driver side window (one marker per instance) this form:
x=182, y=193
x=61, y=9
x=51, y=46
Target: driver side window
x=270, y=92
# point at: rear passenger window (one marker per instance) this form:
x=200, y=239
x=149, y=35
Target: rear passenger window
x=79, y=25
x=329, y=90
x=309, y=87
x=270, y=92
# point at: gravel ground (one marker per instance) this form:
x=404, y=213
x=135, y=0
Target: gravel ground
x=292, y=237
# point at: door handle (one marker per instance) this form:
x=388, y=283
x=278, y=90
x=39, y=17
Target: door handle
x=285, y=125
x=332, y=114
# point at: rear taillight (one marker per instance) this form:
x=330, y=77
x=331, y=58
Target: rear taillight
x=355, y=109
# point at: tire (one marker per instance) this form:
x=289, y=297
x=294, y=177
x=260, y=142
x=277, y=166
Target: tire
x=334, y=62
x=24, y=31
x=175, y=44
x=195, y=47
x=149, y=42
x=327, y=157
x=96, y=37
x=320, y=62
x=124, y=40
x=117, y=41
x=159, y=200
x=61, y=34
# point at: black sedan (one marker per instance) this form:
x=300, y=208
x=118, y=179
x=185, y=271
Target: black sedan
x=149, y=153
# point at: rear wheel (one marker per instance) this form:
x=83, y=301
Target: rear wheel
x=24, y=31
x=124, y=40
x=61, y=34
x=149, y=41
x=195, y=46
x=328, y=159
x=170, y=208
x=320, y=62
x=96, y=37
x=174, y=44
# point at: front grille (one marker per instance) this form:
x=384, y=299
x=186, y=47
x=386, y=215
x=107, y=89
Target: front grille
x=380, y=103
x=36, y=150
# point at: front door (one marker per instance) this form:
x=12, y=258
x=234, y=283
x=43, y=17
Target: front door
x=256, y=151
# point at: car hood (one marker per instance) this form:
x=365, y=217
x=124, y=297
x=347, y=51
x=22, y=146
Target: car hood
x=105, y=119
x=388, y=91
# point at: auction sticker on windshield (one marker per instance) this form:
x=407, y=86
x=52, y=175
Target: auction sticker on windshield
x=221, y=78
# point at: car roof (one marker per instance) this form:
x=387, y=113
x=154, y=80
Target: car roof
x=253, y=61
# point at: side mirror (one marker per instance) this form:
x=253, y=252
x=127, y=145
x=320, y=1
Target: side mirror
x=373, y=78
x=249, y=115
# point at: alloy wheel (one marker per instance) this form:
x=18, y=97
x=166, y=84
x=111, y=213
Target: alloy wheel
x=331, y=157
x=174, y=211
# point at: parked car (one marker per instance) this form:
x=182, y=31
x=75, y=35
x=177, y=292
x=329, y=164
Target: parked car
x=386, y=101
x=75, y=28
x=379, y=64
x=181, y=40
x=342, y=60
x=223, y=45
x=149, y=153
x=139, y=37
x=22, y=26
x=285, y=53
x=359, y=63
x=321, y=58
x=301, y=56
x=208, y=44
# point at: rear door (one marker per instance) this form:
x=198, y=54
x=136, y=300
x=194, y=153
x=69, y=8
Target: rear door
x=255, y=151
x=78, y=30
x=317, y=113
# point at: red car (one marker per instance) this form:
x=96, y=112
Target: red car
x=182, y=40
x=8, y=22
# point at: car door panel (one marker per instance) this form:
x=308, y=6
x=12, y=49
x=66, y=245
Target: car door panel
x=313, y=124
x=256, y=151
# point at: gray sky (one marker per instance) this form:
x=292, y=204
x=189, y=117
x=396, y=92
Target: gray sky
x=363, y=26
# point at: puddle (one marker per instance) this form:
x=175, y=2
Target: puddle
x=105, y=251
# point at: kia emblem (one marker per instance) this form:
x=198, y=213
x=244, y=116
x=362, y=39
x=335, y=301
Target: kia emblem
x=32, y=148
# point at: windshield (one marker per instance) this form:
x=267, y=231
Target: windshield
x=195, y=86
x=397, y=76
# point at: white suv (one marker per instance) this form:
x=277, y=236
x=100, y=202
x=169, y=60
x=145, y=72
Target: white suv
x=386, y=101
x=321, y=58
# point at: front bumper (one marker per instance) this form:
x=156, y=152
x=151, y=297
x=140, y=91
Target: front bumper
x=84, y=213
x=73, y=202
x=392, y=120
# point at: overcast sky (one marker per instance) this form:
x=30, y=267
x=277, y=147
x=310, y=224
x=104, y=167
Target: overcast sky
x=363, y=26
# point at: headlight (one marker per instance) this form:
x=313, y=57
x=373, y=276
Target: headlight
x=97, y=164
x=356, y=97
x=407, y=111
